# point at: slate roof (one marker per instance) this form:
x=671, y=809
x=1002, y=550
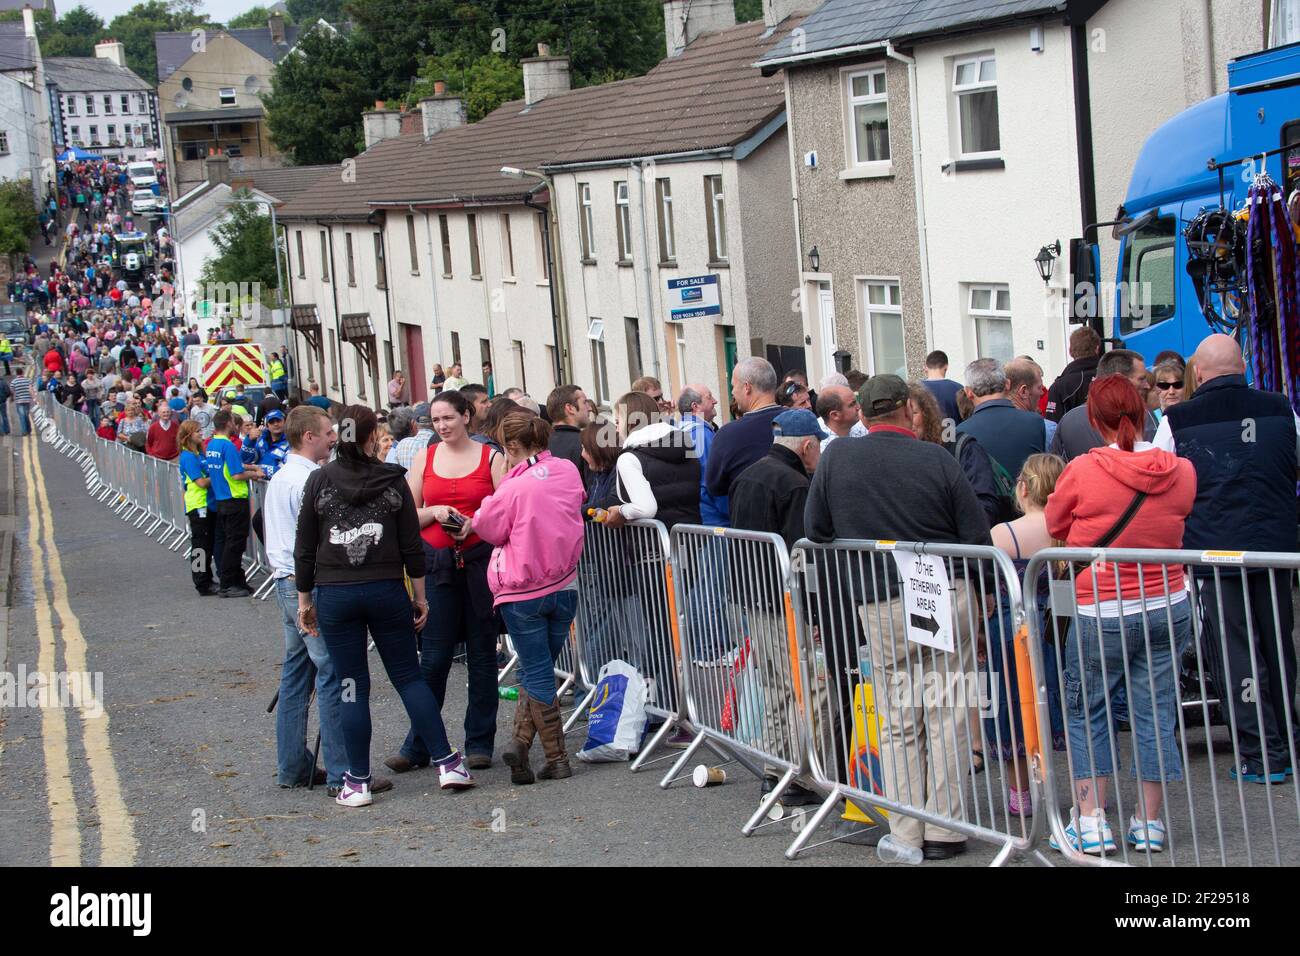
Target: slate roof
x=845, y=23
x=709, y=96
x=89, y=74
x=17, y=52
x=175, y=47
x=219, y=114
x=284, y=183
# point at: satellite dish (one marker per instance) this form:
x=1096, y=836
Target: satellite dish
x=181, y=99
x=252, y=85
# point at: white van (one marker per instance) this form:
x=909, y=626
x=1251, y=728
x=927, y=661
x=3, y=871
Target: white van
x=142, y=174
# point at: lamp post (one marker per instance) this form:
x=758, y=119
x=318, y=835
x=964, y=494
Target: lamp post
x=279, y=275
x=1046, y=260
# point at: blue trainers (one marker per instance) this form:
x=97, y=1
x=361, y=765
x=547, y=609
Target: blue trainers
x=1249, y=776
x=1146, y=835
x=1093, y=835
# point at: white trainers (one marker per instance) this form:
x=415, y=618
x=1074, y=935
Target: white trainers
x=1146, y=835
x=354, y=793
x=452, y=774
x=1091, y=835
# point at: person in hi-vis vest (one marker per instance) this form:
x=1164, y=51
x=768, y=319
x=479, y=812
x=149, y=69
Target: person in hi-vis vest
x=230, y=477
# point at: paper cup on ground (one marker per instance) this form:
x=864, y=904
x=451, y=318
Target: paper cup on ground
x=705, y=776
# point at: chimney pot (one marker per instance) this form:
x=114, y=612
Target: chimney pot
x=439, y=87
x=543, y=49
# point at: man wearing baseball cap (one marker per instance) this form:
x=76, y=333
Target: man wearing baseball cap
x=770, y=494
x=408, y=448
x=890, y=486
x=272, y=445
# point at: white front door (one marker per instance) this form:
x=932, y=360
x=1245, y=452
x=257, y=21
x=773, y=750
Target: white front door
x=826, y=309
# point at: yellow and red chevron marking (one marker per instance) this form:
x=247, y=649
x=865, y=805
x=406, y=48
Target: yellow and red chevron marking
x=232, y=365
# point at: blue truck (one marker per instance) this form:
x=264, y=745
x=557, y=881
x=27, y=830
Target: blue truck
x=1181, y=261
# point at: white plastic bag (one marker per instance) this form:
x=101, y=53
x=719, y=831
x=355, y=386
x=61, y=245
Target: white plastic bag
x=617, y=716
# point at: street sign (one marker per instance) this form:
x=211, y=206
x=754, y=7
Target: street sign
x=926, y=599
x=695, y=297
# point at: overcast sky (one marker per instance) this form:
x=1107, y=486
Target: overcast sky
x=219, y=10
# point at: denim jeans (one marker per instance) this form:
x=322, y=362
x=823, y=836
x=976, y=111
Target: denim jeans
x=451, y=621
x=305, y=659
x=539, y=629
x=24, y=417
x=346, y=612
x=4, y=417
x=1096, y=655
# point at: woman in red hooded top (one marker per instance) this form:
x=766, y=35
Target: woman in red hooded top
x=1132, y=619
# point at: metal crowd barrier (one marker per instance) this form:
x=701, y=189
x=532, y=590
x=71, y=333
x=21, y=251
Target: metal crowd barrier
x=625, y=611
x=914, y=657
x=743, y=689
x=1160, y=724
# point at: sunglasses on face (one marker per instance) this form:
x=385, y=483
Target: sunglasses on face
x=1164, y=386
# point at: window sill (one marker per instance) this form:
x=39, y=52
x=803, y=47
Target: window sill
x=668, y=264
x=975, y=165
x=415, y=272
x=513, y=280
x=882, y=170
x=478, y=278
x=544, y=282
x=624, y=263
x=719, y=264
x=448, y=275
x=586, y=261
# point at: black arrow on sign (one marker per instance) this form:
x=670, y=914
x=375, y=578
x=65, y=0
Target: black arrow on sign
x=925, y=624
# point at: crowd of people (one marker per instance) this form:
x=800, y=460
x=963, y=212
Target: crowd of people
x=431, y=526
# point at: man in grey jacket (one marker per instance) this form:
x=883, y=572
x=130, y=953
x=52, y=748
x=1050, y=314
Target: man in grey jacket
x=1075, y=436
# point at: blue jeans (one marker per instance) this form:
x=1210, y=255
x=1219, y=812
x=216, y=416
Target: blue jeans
x=1095, y=659
x=305, y=659
x=4, y=417
x=346, y=612
x=451, y=621
x=539, y=629
x=24, y=417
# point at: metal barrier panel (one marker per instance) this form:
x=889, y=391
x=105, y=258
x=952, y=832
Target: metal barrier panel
x=911, y=655
x=740, y=664
x=1180, y=706
x=625, y=612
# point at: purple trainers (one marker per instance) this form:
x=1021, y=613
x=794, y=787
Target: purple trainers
x=354, y=793
x=1019, y=803
x=452, y=774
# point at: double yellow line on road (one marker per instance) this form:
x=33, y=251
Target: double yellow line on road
x=116, y=830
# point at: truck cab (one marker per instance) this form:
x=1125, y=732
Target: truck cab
x=1202, y=160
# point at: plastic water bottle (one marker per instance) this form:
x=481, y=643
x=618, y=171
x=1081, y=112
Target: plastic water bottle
x=890, y=850
x=597, y=515
x=508, y=693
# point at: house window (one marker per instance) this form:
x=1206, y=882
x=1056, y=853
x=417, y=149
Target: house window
x=539, y=235
x=141, y=103
x=1286, y=22
x=882, y=317
x=445, y=234
x=75, y=133
x=334, y=368
x=585, y=222
x=126, y=102
x=226, y=95
x=990, y=313
x=90, y=105
x=507, y=246
x=485, y=354
x=410, y=244
x=975, y=84
x=715, y=212
x=361, y=375
x=302, y=260
x=664, y=200
x=455, y=348
x=71, y=103
x=94, y=136
x=599, y=370
x=4, y=142
x=381, y=268
x=632, y=330
x=623, y=218
x=475, y=272
x=868, y=117
x=324, y=258
x=517, y=353
x=112, y=132
x=108, y=104
x=352, y=266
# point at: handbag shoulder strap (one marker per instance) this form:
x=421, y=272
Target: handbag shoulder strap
x=1123, y=521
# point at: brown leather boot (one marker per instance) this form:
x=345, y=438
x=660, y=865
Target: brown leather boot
x=515, y=753
x=546, y=718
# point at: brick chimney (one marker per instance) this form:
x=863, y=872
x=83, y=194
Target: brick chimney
x=684, y=20
x=216, y=167
x=111, y=49
x=29, y=21
x=381, y=124
x=275, y=23
x=544, y=75
x=441, y=111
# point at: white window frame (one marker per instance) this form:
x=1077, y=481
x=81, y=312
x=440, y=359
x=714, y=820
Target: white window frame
x=855, y=162
x=539, y=250
x=866, y=310
x=124, y=101
x=141, y=103
x=962, y=89
x=507, y=248
x=108, y=104
x=226, y=93
x=70, y=102
x=599, y=363
x=4, y=142
x=623, y=219
x=717, y=218
x=586, y=224
x=1286, y=23
x=992, y=312
x=90, y=104
x=667, y=239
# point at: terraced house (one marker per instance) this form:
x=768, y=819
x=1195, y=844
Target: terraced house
x=590, y=235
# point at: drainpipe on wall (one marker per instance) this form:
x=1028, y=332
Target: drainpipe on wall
x=338, y=330
x=551, y=290
x=927, y=307
x=806, y=335
x=1209, y=45
x=388, y=309
x=649, y=289
x=433, y=284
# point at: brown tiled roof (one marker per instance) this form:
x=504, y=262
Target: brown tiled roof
x=710, y=96
x=287, y=182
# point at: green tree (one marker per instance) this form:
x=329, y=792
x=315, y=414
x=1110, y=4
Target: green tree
x=17, y=216
x=244, y=253
x=484, y=83
x=749, y=10
x=309, y=11
x=73, y=34
x=256, y=17
x=136, y=27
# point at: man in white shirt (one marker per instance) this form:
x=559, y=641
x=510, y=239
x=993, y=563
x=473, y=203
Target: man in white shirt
x=311, y=436
x=406, y=449
x=837, y=407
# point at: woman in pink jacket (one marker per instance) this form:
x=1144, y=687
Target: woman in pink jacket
x=535, y=521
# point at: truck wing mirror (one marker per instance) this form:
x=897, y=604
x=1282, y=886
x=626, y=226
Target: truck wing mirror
x=1128, y=226
x=1085, y=269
